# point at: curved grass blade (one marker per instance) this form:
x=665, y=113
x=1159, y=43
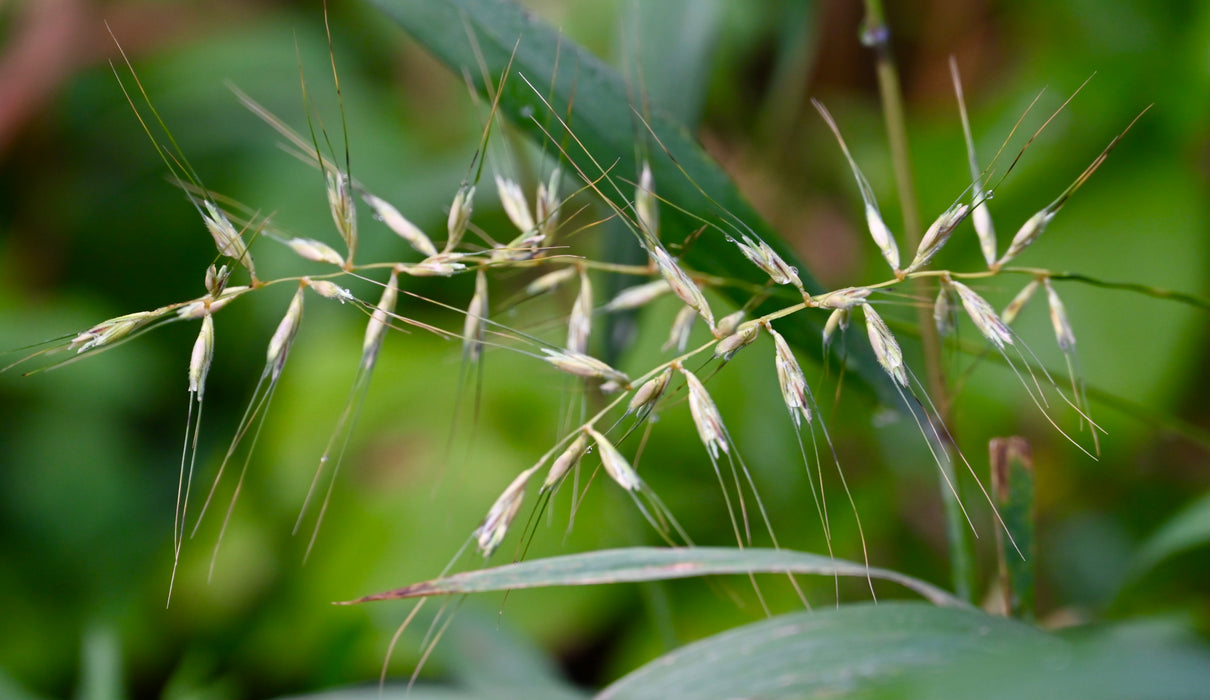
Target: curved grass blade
x=652, y=564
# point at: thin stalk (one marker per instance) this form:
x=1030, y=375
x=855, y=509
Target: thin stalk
x=876, y=35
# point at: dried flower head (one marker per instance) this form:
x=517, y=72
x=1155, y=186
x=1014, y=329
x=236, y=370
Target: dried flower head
x=491, y=531
x=405, y=229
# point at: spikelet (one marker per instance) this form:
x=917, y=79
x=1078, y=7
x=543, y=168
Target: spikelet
x=564, y=462
x=1058, y=318
x=550, y=281
x=838, y=320
x=980, y=217
x=650, y=391
x=380, y=320
x=883, y=238
x=202, y=357
x=706, y=418
x=614, y=463
x=682, y=325
x=344, y=211
x=937, y=235
x=681, y=284
x=768, y=260
x=886, y=348
x=1014, y=307
x=315, y=250
x=729, y=324
x=790, y=378
x=208, y=304
x=546, y=206
x=491, y=531
x=1027, y=234
x=110, y=331
x=283, y=337
x=441, y=265
x=405, y=229
x=459, y=217
x=584, y=366
x=943, y=310
x=646, y=208
x=515, y=206
x=845, y=298
x=216, y=279
x=741, y=338
x=638, y=295
x=473, y=327
x=579, y=325
x=329, y=290
x=981, y=313
x=226, y=238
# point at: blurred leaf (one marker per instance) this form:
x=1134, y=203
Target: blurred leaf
x=1013, y=488
x=1187, y=530
x=652, y=564
x=827, y=653
x=601, y=135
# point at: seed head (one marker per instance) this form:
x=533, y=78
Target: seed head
x=109, y=331
x=476, y=312
x=226, y=238
x=793, y=382
x=984, y=317
x=705, y=416
x=984, y=228
x=379, y=321
x=768, y=260
x=638, y=295
x=1058, y=318
x=460, y=216
x=729, y=324
x=344, y=211
x=389, y=215
x=1014, y=307
x=549, y=281
x=646, y=208
x=515, y=206
x=283, y=337
x=547, y=206
x=491, y=531
x=937, y=235
x=329, y=290
x=650, y=392
x=565, y=461
x=886, y=348
x=837, y=320
x=943, y=310
x=741, y=338
x=315, y=250
x=579, y=325
x=682, y=325
x=440, y=265
x=210, y=304
x=202, y=356
x=845, y=298
x=216, y=279
x=614, y=463
x=1028, y=233
x=681, y=284
x=584, y=366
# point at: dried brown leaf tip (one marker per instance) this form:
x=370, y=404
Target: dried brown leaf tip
x=494, y=527
x=579, y=324
x=344, y=211
x=583, y=365
x=401, y=226
x=706, y=418
x=614, y=463
x=886, y=348
x=883, y=238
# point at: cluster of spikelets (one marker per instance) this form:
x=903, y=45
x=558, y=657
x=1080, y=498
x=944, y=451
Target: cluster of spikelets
x=534, y=245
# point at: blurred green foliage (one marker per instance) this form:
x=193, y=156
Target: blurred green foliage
x=90, y=228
